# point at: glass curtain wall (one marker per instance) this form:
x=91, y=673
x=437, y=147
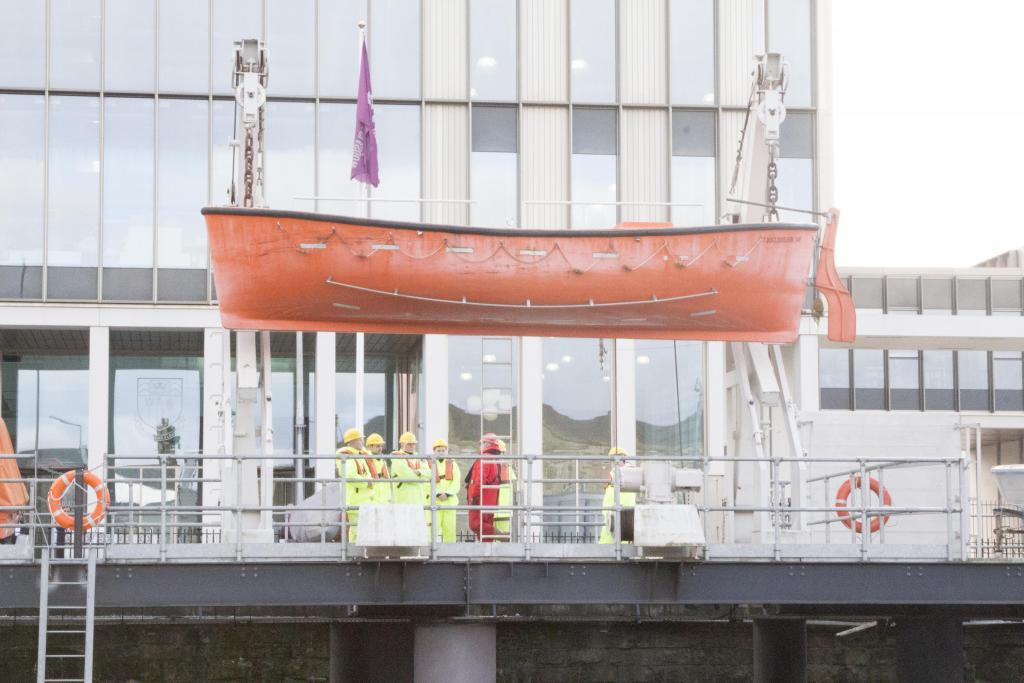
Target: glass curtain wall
x=493, y=51
x=44, y=378
x=692, y=52
x=670, y=398
x=21, y=195
x=577, y=420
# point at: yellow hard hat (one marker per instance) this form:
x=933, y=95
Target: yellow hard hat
x=407, y=437
x=617, y=451
x=502, y=446
x=374, y=439
x=351, y=434
x=440, y=443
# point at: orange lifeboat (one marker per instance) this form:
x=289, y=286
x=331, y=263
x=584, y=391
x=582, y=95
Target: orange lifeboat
x=285, y=270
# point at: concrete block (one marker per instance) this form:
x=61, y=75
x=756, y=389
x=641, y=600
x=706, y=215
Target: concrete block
x=392, y=526
x=667, y=526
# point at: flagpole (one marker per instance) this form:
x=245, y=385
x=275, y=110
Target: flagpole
x=364, y=190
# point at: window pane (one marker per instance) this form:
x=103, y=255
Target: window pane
x=669, y=398
x=834, y=378
x=394, y=37
x=183, y=183
x=867, y=293
x=901, y=293
x=797, y=190
x=971, y=296
x=495, y=129
x=594, y=131
x=1008, y=380
x=398, y=135
x=692, y=46
x=1006, y=295
x=75, y=44
x=221, y=153
x=128, y=183
x=494, y=177
x=938, y=380
x=232, y=20
x=577, y=395
x=693, y=168
x=22, y=43
x=184, y=47
x=789, y=32
x=475, y=363
x=339, y=59
x=46, y=405
x=21, y=180
x=593, y=180
x=868, y=379
x=492, y=34
x=289, y=141
x=74, y=168
x=337, y=128
x=131, y=44
x=593, y=58
x=904, y=381
x=938, y=295
x=972, y=367
x=290, y=42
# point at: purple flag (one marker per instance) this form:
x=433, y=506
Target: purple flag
x=364, y=148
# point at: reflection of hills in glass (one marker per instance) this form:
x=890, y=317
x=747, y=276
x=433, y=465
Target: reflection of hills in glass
x=564, y=434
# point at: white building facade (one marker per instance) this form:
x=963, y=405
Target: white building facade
x=115, y=123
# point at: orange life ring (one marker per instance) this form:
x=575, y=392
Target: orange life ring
x=60, y=487
x=843, y=495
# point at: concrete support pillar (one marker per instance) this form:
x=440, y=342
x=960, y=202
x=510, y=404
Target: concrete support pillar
x=367, y=652
x=714, y=404
x=325, y=438
x=435, y=388
x=216, y=412
x=780, y=650
x=99, y=395
x=930, y=648
x=455, y=653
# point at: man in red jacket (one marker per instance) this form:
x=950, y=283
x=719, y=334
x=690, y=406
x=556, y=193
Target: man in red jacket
x=490, y=483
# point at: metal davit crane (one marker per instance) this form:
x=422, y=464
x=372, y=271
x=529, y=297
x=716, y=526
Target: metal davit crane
x=743, y=282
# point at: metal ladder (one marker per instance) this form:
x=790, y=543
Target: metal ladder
x=67, y=611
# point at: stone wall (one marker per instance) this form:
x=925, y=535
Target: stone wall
x=546, y=652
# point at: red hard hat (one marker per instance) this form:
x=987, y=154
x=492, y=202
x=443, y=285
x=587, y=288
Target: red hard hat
x=490, y=442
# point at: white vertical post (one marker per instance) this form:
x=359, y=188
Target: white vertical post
x=806, y=357
x=625, y=395
x=531, y=420
x=714, y=404
x=99, y=395
x=360, y=380
x=267, y=424
x=216, y=413
x=435, y=387
x=325, y=438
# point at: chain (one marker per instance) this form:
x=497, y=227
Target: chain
x=773, y=192
x=248, y=173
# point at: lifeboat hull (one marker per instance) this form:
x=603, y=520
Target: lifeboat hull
x=279, y=270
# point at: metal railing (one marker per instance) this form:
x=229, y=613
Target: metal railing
x=167, y=507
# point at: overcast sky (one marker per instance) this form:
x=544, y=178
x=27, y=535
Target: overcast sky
x=929, y=146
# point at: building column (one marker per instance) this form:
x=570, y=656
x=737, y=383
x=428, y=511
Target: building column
x=531, y=422
x=435, y=388
x=624, y=405
x=99, y=395
x=455, y=652
x=780, y=650
x=714, y=404
x=930, y=648
x=325, y=438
